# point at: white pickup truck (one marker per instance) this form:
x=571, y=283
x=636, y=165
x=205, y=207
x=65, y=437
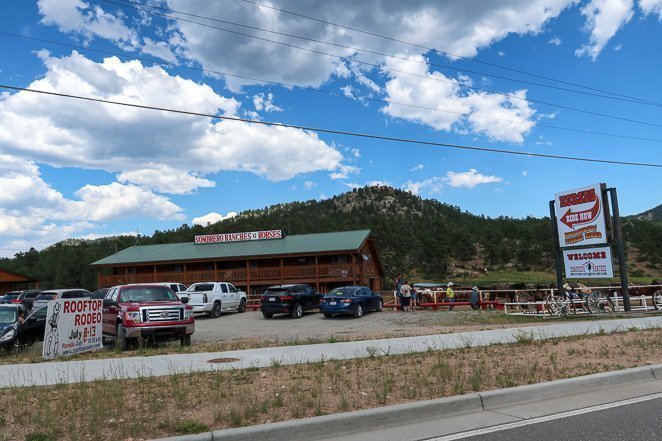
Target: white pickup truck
x=215, y=297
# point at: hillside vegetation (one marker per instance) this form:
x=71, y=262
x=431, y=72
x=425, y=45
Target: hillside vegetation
x=426, y=239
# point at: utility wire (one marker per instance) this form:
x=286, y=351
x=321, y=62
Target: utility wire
x=336, y=132
x=512, y=96
x=358, y=49
x=431, y=49
x=321, y=90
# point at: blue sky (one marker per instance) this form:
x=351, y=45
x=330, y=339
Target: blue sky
x=79, y=169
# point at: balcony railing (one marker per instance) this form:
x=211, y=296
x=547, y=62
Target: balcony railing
x=238, y=276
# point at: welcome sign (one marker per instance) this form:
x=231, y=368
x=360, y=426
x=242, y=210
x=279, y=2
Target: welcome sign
x=588, y=263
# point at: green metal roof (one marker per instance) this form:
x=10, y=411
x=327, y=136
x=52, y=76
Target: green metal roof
x=297, y=244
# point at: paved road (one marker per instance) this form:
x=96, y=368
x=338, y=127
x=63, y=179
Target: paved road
x=629, y=412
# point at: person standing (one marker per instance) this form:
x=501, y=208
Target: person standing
x=450, y=295
x=474, y=299
x=397, y=283
x=413, y=298
x=405, y=289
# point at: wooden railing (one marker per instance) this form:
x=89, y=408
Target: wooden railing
x=237, y=276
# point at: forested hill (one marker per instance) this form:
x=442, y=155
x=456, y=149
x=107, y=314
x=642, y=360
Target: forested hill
x=422, y=237
x=652, y=215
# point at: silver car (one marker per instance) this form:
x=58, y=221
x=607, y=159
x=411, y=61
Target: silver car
x=54, y=294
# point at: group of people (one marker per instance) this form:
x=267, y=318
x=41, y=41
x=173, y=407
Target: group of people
x=406, y=295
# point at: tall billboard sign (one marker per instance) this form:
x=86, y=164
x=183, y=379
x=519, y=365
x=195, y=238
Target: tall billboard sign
x=580, y=217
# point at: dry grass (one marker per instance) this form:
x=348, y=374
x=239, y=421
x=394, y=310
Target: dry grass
x=179, y=404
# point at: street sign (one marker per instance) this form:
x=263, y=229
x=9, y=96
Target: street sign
x=588, y=263
x=580, y=217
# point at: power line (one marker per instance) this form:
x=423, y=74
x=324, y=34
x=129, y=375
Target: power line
x=358, y=49
x=515, y=97
x=431, y=49
x=337, y=132
x=322, y=90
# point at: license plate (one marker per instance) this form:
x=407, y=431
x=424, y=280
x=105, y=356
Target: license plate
x=272, y=299
x=332, y=303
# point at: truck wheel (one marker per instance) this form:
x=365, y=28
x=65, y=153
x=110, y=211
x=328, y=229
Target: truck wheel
x=267, y=314
x=120, y=342
x=242, y=306
x=185, y=340
x=215, y=310
x=297, y=311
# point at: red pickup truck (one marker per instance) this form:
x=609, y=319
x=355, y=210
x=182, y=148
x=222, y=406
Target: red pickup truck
x=133, y=312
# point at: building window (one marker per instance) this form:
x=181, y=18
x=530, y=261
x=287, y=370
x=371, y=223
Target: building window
x=176, y=268
x=252, y=263
x=339, y=259
x=131, y=270
x=305, y=261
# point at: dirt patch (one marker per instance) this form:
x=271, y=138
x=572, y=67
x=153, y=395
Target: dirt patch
x=154, y=407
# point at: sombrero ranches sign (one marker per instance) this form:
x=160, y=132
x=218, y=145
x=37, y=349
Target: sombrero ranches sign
x=580, y=216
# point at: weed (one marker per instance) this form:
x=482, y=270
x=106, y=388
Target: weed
x=235, y=418
x=38, y=436
x=276, y=363
x=372, y=351
x=278, y=401
x=343, y=406
x=333, y=339
x=191, y=428
x=476, y=379
x=524, y=337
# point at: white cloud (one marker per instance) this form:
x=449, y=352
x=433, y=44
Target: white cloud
x=525, y=173
x=463, y=27
x=212, y=218
x=651, y=7
x=71, y=133
x=603, y=19
x=344, y=171
x=433, y=185
x=165, y=179
x=265, y=102
x=469, y=179
x=88, y=20
x=417, y=167
x=159, y=49
x=308, y=185
x=556, y=41
x=499, y=117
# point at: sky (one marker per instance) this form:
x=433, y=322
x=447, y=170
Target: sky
x=551, y=77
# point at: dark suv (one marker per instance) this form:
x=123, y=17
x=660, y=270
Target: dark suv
x=289, y=299
x=25, y=298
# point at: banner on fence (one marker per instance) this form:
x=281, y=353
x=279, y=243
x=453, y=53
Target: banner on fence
x=72, y=326
x=588, y=263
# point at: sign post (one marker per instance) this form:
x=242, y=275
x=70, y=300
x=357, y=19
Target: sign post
x=580, y=218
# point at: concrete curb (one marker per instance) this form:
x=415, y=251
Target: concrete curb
x=343, y=423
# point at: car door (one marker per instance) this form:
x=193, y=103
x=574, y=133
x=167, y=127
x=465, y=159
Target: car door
x=110, y=313
x=233, y=295
x=371, y=299
x=34, y=326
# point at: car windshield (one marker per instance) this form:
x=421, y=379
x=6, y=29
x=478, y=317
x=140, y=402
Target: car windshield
x=11, y=296
x=147, y=294
x=8, y=316
x=46, y=296
x=342, y=292
x=275, y=291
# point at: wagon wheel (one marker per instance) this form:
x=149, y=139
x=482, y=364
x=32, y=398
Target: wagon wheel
x=523, y=299
x=657, y=300
x=599, y=303
x=556, y=305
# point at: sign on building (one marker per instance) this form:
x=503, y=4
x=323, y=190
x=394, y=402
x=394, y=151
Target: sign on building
x=588, y=263
x=580, y=217
x=239, y=237
x=72, y=326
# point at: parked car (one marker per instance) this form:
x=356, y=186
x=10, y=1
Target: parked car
x=215, y=297
x=14, y=334
x=289, y=299
x=351, y=300
x=24, y=297
x=55, y=294
x=99, y=293
x=133, y=312
x=178, y=288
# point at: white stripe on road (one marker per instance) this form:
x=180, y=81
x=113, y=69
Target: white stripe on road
x=544, y=419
